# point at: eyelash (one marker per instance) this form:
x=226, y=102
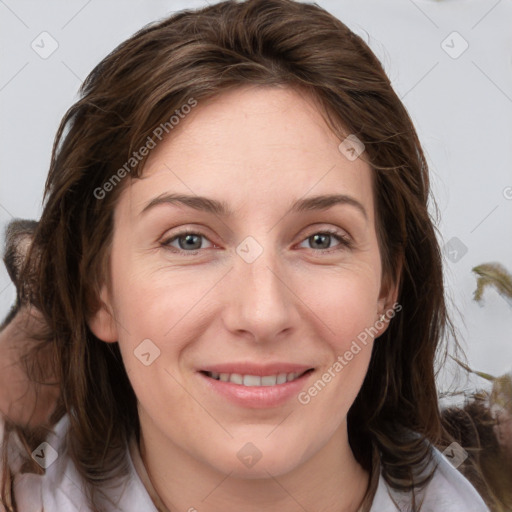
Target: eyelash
x=345, y=242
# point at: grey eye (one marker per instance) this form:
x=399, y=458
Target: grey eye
x=187, y=241
x=322, y=240
x=190, y=241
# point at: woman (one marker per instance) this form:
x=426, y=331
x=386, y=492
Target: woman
x=215, y=148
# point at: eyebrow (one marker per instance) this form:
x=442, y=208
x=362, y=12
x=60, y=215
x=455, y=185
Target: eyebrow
x=220, y=208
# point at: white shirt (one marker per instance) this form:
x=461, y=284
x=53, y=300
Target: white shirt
x=60, y=489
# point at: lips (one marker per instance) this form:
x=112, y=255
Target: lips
x=256, y=386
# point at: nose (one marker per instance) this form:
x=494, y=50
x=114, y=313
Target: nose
x=259, y=302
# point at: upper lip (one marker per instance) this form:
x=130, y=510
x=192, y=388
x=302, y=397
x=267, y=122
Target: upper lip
x=245, y=368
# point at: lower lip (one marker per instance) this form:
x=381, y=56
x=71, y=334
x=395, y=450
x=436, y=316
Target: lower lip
x=257, y=397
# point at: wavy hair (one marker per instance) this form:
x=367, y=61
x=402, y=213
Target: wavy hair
x=395, y=418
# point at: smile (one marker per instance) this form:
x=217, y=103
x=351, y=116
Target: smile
x=255, y=387
x=256, y=380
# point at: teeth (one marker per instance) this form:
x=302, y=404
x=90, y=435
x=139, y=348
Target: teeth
x=269, y=380
x=236, y=378
x=281, y=378
x=254, y=380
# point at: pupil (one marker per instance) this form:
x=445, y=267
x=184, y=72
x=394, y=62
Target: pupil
x=325, y=239
x=189, y=241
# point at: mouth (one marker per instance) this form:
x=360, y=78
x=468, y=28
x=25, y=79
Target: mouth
x=255, y=387
x=249, y=380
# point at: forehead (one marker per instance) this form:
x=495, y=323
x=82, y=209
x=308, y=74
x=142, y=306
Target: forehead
x=253, y=147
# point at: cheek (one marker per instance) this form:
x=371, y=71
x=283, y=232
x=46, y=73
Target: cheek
x=344, y=301
x=149, y=302
x=152, y=315
x=344, y=306
x=159, y=316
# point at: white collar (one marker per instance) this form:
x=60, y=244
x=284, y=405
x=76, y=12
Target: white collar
x=61, y=488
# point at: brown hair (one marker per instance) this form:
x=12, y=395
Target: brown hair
x=200, y=54
x=488, y=466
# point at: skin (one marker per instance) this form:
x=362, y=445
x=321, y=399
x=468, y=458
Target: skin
x=23, y=401
x=259, y=150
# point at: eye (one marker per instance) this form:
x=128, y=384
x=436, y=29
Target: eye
x=322, y=240
x=188, y=241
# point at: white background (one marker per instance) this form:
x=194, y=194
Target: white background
x=461, y=107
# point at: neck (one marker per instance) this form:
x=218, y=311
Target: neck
x=329, y=481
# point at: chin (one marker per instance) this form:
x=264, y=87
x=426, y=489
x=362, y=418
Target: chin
x=275, y=467
x=260, y=459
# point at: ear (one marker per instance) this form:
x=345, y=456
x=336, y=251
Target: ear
x=102, y=323
x=387, y=303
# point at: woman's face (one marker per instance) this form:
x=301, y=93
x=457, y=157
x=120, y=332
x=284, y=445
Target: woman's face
x=253, y=294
